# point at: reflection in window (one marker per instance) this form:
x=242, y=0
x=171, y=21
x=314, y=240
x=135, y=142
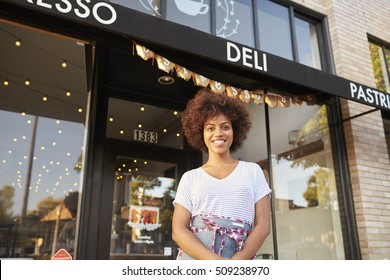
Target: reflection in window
x=195, y=14
x=142, y=209
x=151, y=7
x=234, y=21
x=42, y=134
x=380, y=57
x=274, y=29
x=307, y=213
x=306, y=37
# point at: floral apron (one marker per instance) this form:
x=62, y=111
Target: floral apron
x=222, y=235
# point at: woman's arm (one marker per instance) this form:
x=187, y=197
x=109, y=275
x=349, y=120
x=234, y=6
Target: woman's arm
x=259, y=232
x=184, y=237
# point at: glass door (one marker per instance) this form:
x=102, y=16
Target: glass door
x=145, y=155
x=142, y=209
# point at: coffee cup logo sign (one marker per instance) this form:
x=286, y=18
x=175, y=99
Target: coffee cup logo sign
x=82, y=9
x=192, y=7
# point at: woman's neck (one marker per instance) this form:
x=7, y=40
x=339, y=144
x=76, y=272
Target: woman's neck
x=216, y=159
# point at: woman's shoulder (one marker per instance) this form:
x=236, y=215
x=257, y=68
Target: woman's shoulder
x=192, y=173
x=249, y=164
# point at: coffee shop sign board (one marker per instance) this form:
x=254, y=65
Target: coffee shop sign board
x=113, y=17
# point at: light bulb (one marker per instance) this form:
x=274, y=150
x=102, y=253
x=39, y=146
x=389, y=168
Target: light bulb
x=6, y=82
x=18, y=43
x=64, y=64
x=27, y=82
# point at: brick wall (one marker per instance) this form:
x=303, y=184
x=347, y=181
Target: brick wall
x=350, y=22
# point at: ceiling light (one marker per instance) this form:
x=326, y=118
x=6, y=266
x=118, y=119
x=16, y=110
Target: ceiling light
x=27, y=82
x=80, y=110
x=6, y=82
x=18, y=43
x=44, y=98
x=142, y=109
x=64, y=64
x=68, y=93
x=110, y=119
x=166, y=80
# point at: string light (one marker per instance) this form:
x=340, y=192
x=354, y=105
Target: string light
x=142, y=108
x=44, y=98
x=110, y=119
x=175, y=113
x=68, y=93
x=165, y=130
x=27, y=82
x=6, y=82
x=64, y=64
x=121, y=131
x=80, y=110
x=139, y=125
x=18, y=42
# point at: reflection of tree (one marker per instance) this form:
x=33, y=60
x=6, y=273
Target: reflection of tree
x=378, y=66
x=45, y=205
x=6, y=202
x=315, y=128
x=139, y=185
x=320, y=187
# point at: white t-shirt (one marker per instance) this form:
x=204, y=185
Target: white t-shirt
x=233, y=196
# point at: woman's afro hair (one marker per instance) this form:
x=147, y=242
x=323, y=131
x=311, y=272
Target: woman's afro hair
x=207, y=104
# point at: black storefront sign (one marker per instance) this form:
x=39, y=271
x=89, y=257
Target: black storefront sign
x=263, y=69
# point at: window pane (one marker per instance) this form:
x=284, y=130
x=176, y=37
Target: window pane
x=152, y=7
x=274, y=29
x=306, y=204
x=195, y=14
x=234, y=21
x=387, y=79
x=308, y=51
x=42, y=131
x=378, y=64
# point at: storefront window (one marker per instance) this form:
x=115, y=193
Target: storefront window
x=234, y=21
x=307, y=43
x=274, y=29
x=151, y=7
x=306, y=205
x=195, y=14
x=380, y=57
x=43, y=104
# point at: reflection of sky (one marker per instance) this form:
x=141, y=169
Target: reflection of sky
x=58, y=146
x=290, y=183
x=159, y=191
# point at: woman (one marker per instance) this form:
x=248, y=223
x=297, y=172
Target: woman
x=221, y=208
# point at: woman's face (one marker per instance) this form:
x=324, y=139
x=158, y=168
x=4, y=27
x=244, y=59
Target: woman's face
x=218, y=134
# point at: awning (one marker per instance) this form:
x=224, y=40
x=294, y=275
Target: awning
x=205, y=53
